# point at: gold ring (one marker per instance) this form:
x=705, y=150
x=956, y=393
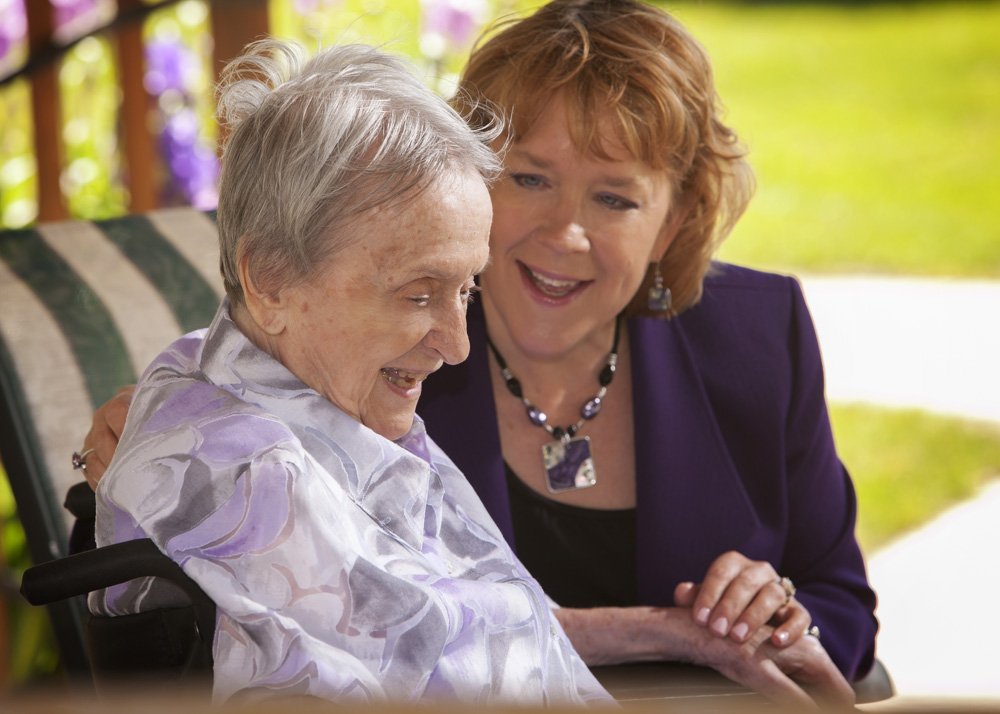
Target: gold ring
x=788, y=587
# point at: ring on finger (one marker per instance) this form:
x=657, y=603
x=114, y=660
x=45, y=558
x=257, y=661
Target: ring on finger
x=79, y=460
x=789, y=588
x=812, y=631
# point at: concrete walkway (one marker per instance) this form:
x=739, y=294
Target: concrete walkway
x=931, y=344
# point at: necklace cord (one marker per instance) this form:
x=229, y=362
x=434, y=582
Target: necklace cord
x=590, y=409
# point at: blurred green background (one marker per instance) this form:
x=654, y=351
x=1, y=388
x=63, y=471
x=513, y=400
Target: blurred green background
x=874, y=130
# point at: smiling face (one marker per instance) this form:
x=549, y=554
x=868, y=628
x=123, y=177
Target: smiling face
x=389, y=309
x=572, y=238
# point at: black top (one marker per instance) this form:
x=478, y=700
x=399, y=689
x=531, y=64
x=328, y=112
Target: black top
x=583, y=557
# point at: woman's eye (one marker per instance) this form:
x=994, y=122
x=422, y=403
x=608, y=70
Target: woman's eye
x=421, y=300
x=616, y=203
x=527, y=180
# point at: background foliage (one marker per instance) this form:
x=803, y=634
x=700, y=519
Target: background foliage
x=872, y=129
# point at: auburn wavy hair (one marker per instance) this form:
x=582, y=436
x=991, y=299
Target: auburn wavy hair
x=641, y=66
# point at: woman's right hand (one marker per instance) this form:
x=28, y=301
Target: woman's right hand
x=740, y=595
x=105, y=431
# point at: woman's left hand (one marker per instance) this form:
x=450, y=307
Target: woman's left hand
x=739, y=595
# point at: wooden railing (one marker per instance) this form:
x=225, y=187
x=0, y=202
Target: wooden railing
x=233, y=22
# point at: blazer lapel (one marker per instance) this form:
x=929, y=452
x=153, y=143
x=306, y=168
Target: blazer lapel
x=691, y=504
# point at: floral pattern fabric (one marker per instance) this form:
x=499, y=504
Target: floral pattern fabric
x=343, y=565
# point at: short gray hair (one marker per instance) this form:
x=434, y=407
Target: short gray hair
x=312, y=143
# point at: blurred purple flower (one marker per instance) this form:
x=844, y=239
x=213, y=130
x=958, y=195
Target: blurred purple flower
x=169, y=64
x=182, y=128
x=304, y=7
x=455, y=20
x=72, y=12
x=192, y=164
x=13, y=25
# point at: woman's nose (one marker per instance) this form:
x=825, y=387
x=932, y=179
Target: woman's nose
x=563, y=231
x=449, y=336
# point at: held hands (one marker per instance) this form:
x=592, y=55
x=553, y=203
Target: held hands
x=738, y=596
x=799, y=675
x=105, y=431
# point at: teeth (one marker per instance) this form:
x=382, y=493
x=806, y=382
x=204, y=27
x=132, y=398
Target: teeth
x=551, y=286
x=404, y=380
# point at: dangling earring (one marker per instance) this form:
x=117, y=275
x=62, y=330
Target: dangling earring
x=659, y=299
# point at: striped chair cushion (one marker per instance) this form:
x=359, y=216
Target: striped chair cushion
x=85, y=307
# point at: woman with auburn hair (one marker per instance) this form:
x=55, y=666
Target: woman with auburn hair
x=682, y=396
x=647, y=426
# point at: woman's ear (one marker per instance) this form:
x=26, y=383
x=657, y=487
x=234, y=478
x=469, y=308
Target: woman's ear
x=266, y=308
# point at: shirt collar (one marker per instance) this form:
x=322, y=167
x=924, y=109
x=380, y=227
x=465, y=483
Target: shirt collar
x=395, y=482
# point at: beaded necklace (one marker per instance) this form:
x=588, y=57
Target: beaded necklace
x=568, y=461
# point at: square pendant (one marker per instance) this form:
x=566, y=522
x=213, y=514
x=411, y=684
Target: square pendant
x=569, y=465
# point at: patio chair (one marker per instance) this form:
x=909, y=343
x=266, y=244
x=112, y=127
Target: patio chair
x=86, y=306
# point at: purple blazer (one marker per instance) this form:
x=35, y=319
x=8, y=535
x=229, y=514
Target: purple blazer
x=733, y=451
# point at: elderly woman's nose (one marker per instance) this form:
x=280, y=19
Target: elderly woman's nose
x=449, y=336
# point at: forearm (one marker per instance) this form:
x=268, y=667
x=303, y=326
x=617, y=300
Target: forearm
x=612, y=635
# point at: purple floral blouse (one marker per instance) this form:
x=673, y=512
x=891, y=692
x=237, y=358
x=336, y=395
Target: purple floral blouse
x=343, y=565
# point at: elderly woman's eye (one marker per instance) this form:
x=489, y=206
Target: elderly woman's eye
x=469, y=294
x=421, y=300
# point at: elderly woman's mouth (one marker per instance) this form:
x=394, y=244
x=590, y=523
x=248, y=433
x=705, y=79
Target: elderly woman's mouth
x=401, y=379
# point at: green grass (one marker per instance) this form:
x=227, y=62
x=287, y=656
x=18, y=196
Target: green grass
x=909, y=465
x=874, y=132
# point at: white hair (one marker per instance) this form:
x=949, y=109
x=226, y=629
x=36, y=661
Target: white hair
x=312, y=143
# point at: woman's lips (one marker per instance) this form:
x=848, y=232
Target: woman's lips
x=402, y=379
x=550, y=287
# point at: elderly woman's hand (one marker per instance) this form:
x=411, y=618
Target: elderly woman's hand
x=738, y=596
x=105, y=431
x=800, y=674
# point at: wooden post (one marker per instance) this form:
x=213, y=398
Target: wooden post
x=46, y=115
x=143, y=166
x=235, y=23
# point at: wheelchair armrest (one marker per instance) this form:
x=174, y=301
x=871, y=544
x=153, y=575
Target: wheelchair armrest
x=110, y=565
x=876, y=686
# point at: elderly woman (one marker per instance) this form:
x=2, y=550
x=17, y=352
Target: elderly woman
x=646, y=426
x=277, y=458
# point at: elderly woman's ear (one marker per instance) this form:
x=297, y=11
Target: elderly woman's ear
x=266, y=307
